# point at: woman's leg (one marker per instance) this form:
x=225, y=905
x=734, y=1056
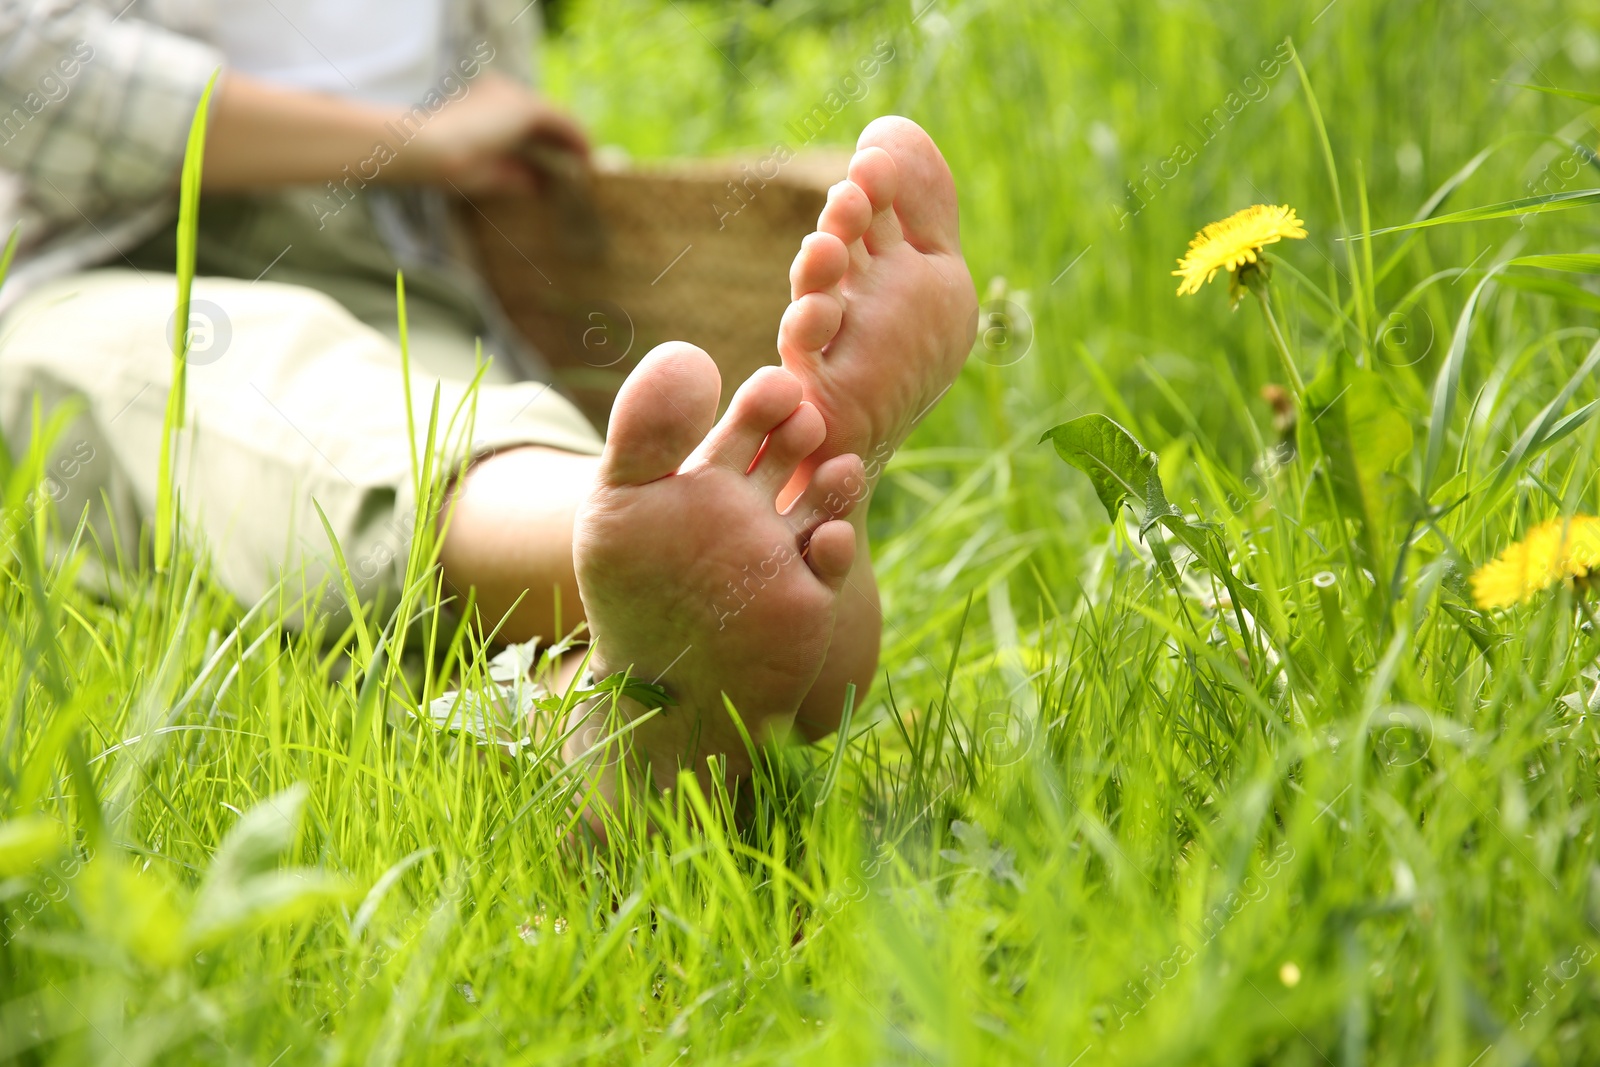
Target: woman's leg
x=296, y=412
x=508, y=537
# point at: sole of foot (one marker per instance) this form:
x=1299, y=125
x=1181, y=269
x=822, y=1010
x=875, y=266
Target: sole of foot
x=882, y=317
x=690, y=574
x=883, y=312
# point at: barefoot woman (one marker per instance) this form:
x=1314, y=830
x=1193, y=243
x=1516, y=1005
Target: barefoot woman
x=336, y=133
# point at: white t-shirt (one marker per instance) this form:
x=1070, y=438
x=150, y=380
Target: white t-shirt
x=382, y=51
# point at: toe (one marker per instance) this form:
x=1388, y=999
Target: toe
x=765, y=400
x=819, y=266
x=831, y=552
x=847, y=213
x=925, y=197
x=662, y=412
x=808, y=324
x=836, y=488
x=873, y=171
x=801, y=434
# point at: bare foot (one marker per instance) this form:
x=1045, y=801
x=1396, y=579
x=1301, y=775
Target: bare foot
x=883, y=312
x=882, y=318
x=690, y=575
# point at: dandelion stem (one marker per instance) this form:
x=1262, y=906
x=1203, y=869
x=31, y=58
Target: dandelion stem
x=1295, y=382
x=1587, y=613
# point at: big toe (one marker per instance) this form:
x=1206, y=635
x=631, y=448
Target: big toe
x=925, y=192
x=662, y=412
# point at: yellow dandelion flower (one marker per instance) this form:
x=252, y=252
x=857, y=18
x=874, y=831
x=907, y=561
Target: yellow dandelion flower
x=1233, y=242
x=1554, y=551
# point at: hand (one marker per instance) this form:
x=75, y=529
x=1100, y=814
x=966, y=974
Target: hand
x=485, y=141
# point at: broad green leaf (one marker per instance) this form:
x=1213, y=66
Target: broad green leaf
x=1362, y=435
x=1203, y=540
x=1120, y=467
x=1117, y=465
x=1401, y=498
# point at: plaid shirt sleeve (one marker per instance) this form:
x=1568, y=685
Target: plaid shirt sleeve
x=94, y=107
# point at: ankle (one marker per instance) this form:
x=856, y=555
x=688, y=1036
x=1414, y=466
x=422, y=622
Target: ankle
x=612, y=736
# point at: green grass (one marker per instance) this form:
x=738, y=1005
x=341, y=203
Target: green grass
x=1088, y=814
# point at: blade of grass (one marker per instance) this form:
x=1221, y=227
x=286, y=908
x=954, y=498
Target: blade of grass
x=1528, y=205
x=347, y=585
x=1545, y=431
x=1570, y=94
x=1446, y=386
x=9, y=254
x=843, y=742
x=1338, y=197
x=188, y=233
x=1570, y=262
